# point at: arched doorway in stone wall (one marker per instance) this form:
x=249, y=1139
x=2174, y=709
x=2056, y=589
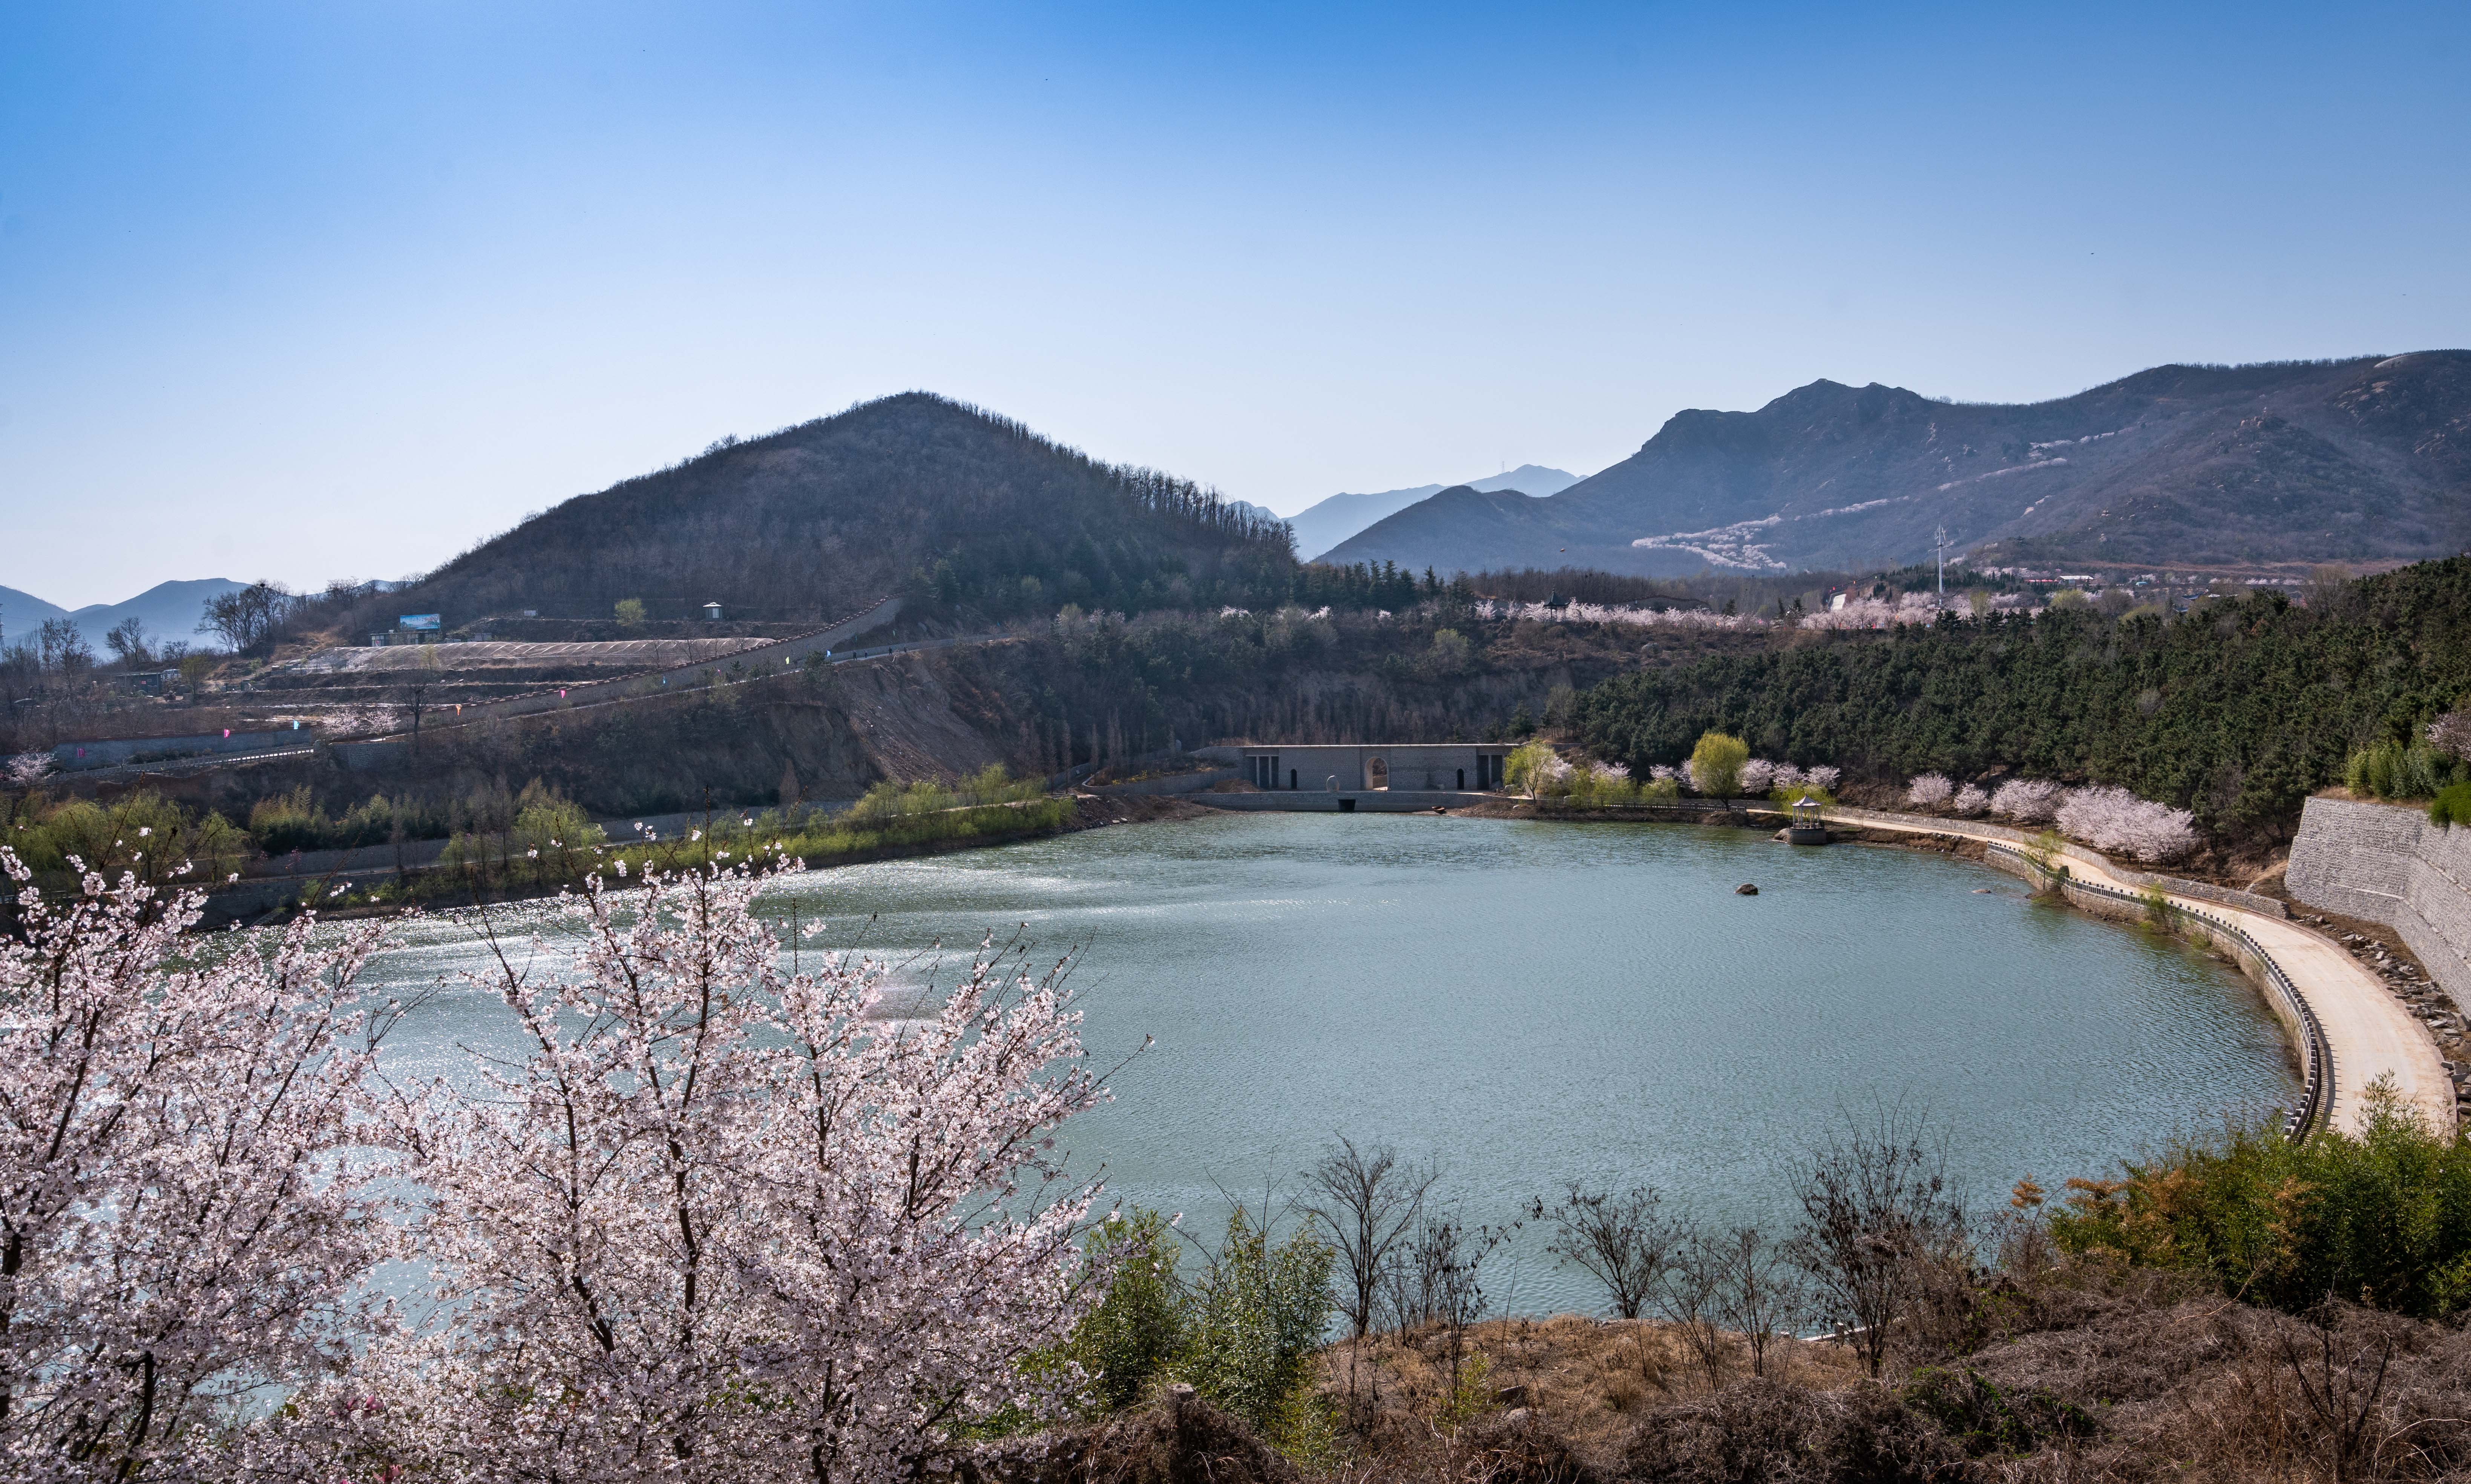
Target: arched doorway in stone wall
x=1377, y=772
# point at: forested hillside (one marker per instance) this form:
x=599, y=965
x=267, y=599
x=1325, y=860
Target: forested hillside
x=2293, y=462
x=2237, y=710
x=969, y=514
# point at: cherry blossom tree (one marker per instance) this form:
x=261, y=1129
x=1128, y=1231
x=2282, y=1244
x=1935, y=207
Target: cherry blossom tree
x=2451, y=733
x=1929, y=791
x=726, y=1222
x=2027, y=799
x=1823, y=775
x=2116, y=820
x=1758, y=776
x=1969, y=801
x=180, y=1234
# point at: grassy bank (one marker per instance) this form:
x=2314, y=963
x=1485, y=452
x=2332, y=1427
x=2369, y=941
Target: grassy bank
x=549, y=845
x=533, y=843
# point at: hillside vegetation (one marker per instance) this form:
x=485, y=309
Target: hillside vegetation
x=964, y=511
x=2237, y=710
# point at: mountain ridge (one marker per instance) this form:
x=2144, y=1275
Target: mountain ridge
x=1322, y=526
x=2362, y=458
x=956, y=509
x=169, y=611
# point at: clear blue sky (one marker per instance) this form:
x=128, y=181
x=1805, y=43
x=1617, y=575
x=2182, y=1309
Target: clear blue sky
x=314, y=290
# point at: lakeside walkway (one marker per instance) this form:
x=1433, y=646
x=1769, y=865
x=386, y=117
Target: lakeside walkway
x=2370, y=1033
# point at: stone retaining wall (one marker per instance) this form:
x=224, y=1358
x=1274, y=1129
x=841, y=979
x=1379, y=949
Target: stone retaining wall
x=2386, y=863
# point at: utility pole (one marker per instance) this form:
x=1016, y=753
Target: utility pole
x=1939, y=544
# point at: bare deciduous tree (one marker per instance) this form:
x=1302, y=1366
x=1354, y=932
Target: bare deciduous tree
x=63, y=646
x=2341, y=1358
x=247, y=616
x=1688, y=1301
x=1368, y=1201
x=127, y=641
x=1621, y=1240
x=1878, y=1218
x=1439, y=1278
x=1758, y=1291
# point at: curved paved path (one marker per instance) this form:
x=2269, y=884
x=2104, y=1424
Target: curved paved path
x=2372, y=1034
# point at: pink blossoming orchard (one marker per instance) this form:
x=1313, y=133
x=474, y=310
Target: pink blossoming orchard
x=2107, y=818
x=720, y=1221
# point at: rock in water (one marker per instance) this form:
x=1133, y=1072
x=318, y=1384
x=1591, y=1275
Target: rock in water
x=1746, y=889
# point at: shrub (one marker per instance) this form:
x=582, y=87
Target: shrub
x=287, y=822
x=1597, y=785
x=2382, y=1217
x=1716, y=764
x=2394, y=770
x=1786, y=798
x=1137, y=1333
x=541, y=838
x=2452, y=805
x=1257, y=1315
x=1929, y=791
x=893, y=799
x=142, y=833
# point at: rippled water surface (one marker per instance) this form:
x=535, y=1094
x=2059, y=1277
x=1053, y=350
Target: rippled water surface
x=1530, y=1003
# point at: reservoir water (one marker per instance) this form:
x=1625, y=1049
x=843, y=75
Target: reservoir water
x=1529, y=1003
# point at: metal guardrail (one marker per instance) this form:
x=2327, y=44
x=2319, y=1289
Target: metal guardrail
x=2317, y=1097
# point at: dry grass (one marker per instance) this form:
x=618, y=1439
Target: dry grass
x=2048, y=1369
x=2083, y=1375
x=1586, y=1379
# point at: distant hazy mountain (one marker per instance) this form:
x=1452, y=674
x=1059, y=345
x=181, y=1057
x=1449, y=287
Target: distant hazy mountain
x=1262, y=511
x=1326, y=525
x=169, y=610
x=22, y=613
x=2290, y=461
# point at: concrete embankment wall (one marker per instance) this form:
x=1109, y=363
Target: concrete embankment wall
x=2388, y=864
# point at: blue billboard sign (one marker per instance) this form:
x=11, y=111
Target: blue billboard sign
x=420, y=623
